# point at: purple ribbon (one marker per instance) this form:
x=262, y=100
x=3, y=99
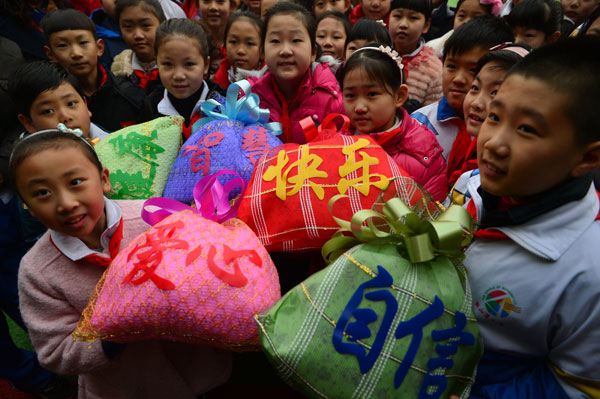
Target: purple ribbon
x=212, y=200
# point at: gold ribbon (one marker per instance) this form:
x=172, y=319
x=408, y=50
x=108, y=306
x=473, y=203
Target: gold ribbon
x=421, y=238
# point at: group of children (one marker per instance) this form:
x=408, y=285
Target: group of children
x=506, y=129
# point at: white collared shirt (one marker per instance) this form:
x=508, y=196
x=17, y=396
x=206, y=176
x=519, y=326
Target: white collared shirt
x=165, y=107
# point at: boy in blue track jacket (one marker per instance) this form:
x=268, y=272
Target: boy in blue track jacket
x=534, y=265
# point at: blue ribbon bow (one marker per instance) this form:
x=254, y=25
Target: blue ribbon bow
x=245, y=109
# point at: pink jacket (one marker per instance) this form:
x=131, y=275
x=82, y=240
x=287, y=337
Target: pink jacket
x=415, y=149
x=318, y=96
x=424, y=76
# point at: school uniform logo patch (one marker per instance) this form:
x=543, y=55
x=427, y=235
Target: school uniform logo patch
x=498, y=302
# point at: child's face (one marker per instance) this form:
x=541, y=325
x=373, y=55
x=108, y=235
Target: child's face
x=60, y=105
x=76, y=50
x=527, y=144
x=265, y=5
x=458, y=74
x=370, y=107
x=353, y=46
x=321, y=6
x=468, y=10
x=109, y=7
x=578, y=10
x=406, y=28
x=253, y=5
x=376, y=9
x=181, y=66
x=484, y=88
x=215, y=13
x=63, y=189
x=288, y=51
x=138, y=27
x=532, y=37
x=243, y=45
x=332, y=37
x=594, y=28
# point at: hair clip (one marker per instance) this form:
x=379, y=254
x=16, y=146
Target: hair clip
x=509, y=46
x=63, y=129
x=496, y=6
x=382, y=23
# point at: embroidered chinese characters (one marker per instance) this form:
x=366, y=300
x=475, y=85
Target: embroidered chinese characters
x=142, y=147
x=347, y=335
x=200, y=153
x=355, y=172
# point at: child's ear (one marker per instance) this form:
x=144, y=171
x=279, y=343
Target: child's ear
x=27, y=123
x=86, y=104
x=313, y=56
x=401, y=95
x=590, y=160
x=553, y=37
x=100, y=45
x=105, y=176
x=206, y=67
x=50, y=54
x=426, y=26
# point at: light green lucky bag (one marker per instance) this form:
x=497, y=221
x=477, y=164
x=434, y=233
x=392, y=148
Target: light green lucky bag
x=375, y=324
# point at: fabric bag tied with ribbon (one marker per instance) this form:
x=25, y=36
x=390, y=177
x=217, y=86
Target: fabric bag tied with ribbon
x=198, y=275
x=230, y=137
x=389, y=317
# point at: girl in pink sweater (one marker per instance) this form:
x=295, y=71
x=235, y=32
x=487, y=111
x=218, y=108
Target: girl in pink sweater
x=60, y=178
x=373, y=91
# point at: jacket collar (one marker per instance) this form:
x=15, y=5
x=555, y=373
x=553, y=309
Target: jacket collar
x=445, y=112
x=165, y=106
x=549, y=234
x=74, y=249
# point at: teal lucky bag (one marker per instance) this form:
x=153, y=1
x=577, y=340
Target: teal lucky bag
x=389, y=318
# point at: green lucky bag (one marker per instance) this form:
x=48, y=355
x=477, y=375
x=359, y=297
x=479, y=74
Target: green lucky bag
x=390, y=318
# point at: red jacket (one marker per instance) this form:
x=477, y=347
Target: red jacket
x=319, y=95
x=357, y=13
x=415, y=149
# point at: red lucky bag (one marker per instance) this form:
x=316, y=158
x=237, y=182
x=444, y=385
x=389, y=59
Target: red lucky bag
x=285, y=203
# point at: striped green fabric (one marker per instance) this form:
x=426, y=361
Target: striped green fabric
x=297, y=334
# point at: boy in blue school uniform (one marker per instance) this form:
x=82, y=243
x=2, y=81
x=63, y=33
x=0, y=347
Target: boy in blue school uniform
x=534, y=265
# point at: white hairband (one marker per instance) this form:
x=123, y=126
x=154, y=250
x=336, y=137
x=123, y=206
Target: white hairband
x=387, y=51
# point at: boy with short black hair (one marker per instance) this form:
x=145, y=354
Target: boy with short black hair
x=45, y=94
x=462, y=50
x=73, y=43
x=535, y=22
x=534, y=265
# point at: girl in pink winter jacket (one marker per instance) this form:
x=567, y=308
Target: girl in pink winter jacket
x=373, y=91
x=295, y=86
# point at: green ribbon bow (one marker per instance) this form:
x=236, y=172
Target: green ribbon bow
x=422, y=239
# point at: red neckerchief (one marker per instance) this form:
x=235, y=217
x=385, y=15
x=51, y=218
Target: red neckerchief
x=459, y=150
x=113, y=249
x=187, y=130
x=103, y=76
x=383, y=137
x=469, y=163
x=145, y=78
x=286, y=122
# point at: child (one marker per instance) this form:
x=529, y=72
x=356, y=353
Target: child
x=72, y=42
x=46, y=95
x=366, y=31
x=491, y=69
x=465, y=11
x=461, y=53
x=409, y=20
x=107, y=28
x=138, y=20
x=182, y=52
x=535, y=22
x=59, y=177
x=332, y=31
x=251, y=6
x=534, y=265
x=243, y=46
x=373, y=97
x=371, y=9
x=215, y=13
x=322, y=6
x=294, y=87
x=578, y=11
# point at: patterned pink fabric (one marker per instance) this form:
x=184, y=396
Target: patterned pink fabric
x=188, y=279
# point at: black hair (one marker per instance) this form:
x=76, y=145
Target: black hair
x=420, y=6
x=570, y=67
x=593, y=16
x=505, y=58
x=34, y=78
x=371, y=31
x=249, y=16
x=542, y=15
x=297, y=11
x=486, y=7
x=152, y=6
x=48, y=139
x=482, y=32
x=380, y=68
x=22, y=11
x=182, y=27
x=337, y=16
x=66, y=19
